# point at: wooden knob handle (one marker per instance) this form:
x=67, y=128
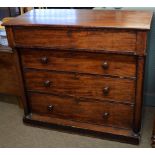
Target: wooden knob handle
x=47, y=83
x=50, y=107
x=106, y=90
x=105, y=114
x=44, y=60
x=105, y=65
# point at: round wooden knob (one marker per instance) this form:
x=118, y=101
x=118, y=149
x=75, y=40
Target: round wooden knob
x=50, y=107
x=47, y=83
x=105, y=65
x=106, y=90
x=44, y=60
x=105, y=114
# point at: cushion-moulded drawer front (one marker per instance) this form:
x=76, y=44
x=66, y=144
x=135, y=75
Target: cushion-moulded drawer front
x=83, y=62
x=108, y=39
x=98, y=87
x=102, y=113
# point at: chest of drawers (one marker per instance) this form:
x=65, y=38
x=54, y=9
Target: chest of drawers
x=83, y=69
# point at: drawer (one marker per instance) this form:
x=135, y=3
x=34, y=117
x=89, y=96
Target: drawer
x=83, y=62
x=80, y=85
x=102, y=113
x=92, y=39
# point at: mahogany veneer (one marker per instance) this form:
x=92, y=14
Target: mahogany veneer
x=82, y=62
x=80, y=85
x=83, y=69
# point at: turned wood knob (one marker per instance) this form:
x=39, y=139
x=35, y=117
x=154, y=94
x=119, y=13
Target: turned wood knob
x=50, y=107
x=44, y=60
x=106, y=90
x=47, y=83
x=105, y=114
x=105, y=65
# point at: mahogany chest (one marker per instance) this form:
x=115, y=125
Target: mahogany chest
x=82, y=69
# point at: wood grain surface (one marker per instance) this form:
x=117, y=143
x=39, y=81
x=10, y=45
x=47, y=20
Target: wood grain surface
x=81, y=85
x=113, y=40
x=102, y=113
x=84, y=18
x=82, y=62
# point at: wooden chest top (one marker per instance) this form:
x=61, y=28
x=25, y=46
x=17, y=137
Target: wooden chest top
x=121, y=32
x=84, y=18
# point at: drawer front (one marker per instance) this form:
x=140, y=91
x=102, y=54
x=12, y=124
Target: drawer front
x=82, y=62
x=102, y=113
x=98, y=87
x=110, y=40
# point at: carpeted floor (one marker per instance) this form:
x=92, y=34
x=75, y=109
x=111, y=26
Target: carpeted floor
x=13, y=133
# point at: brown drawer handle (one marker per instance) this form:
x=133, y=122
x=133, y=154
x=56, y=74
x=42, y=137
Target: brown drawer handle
x=106, y=90
x=50, y=107
x=105, y=115
x=44, y=60
x=47, y=83
x=105, y=65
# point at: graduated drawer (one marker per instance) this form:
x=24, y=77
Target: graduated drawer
x=92, y=39
x=80, y=85
x=102, y=113
x=93, y=63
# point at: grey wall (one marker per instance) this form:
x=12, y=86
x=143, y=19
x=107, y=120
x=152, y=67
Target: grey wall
x=149, y=84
